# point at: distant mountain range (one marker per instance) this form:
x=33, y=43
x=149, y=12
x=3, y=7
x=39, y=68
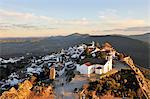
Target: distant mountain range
x=135, y=46
x=143, y=37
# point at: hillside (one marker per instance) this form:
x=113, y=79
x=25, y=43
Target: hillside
x=19, y=40
x=138, y=50
x=67, y=71
x=143, y=37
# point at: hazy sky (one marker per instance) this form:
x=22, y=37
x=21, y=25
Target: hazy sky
x=24, y=18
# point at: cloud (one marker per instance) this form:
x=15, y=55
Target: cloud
x=19, y=20
x=130, y=29
x=107, y=18
x=109, y=21
x=82, y=21
x=108, y=14
x=146, y=28
x=16, y=14
x=29, y=17
x=15, y=20
x=112, y=18
x=21, y=15
x=8, y=26
x=123, y=23
x=4, y=26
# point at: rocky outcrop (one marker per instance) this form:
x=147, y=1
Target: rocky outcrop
x=27, y=91
x=42, y=92
x=145, y=87
x=22, y=92
x=121, y=84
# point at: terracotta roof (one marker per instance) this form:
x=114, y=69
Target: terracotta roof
x=88, y=64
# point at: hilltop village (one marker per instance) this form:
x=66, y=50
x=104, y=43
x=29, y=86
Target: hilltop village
x=90, y=71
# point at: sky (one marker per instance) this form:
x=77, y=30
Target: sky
x=40, y=18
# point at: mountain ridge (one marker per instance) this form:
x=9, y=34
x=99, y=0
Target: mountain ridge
x=132, y=47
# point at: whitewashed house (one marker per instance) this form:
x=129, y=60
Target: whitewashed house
x=86, y=68
x=54, y=58
x=98, y=68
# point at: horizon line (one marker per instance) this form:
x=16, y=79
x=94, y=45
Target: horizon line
x=72, y=34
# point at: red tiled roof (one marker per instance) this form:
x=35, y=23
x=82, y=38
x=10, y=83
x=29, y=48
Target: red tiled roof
x=88, y=64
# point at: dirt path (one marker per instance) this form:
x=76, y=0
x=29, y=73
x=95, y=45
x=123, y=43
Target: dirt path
x=66, y=91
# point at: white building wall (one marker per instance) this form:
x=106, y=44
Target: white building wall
x=90, y=69
x=108, y=66
x=98, y=65
x=83, y=69
x=105, y=68
x=98, y=71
